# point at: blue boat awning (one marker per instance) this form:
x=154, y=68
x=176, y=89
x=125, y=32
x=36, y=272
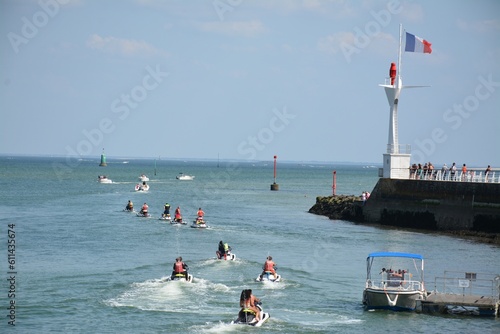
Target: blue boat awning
x=395, y=254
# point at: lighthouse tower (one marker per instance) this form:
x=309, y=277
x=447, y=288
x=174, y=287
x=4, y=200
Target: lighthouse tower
x=397, y=158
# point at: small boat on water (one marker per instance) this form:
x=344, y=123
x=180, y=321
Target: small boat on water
x=103, y=179
x=142, y=187
x=184, y=177
x=143, y=178
x=394, y=281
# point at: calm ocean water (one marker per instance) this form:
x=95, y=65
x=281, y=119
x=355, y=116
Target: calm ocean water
x=83, y=265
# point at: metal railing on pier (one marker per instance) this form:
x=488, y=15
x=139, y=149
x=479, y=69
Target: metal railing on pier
x=472, y=175
x=468, y=283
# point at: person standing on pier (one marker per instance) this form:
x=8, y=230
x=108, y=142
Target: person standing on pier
x=464, y=172
x=453, y=170
x=487, y=173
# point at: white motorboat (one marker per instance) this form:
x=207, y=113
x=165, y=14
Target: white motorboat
x=103, y=179
x=143, y=178
x=396, y=284
x=184, y=177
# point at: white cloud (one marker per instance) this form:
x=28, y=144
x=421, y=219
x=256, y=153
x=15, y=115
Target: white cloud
x=331, y=43
x=242, y=28
x=479, y=26
x=411, y=12
x=381, y=43
x=127, y=47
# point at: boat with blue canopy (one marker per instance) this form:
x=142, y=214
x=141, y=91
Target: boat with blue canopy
x=394, y=281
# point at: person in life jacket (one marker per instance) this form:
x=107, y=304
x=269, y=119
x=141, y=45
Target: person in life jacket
x=178, y=216
x=249, y=301
x=200, y=214
x=166, y=210
x=224, y=250
x=220, y=252
x=130, y=206
x=180, y=268
x=144, y=209
x=269, y=266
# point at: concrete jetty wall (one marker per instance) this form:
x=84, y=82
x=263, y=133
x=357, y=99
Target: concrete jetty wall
x=421, y=204
x=435, y=205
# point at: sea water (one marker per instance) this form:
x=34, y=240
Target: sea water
x=81, y=264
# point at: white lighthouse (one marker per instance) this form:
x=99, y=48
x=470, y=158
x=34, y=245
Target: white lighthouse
x=396, y=163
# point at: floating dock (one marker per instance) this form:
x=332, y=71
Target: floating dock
x=466, y=294
x=460, y=304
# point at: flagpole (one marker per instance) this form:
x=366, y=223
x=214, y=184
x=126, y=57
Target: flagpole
x=398, y=80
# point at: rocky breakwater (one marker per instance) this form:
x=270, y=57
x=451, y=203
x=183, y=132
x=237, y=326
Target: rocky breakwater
x=341, y=207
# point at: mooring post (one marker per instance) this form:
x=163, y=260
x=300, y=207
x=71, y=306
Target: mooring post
x=275, y=186
x=334, y=185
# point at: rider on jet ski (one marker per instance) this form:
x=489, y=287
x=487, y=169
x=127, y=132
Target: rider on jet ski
x=200, y=214
x=166, y=210
x=178, y=216
x=180, y=268
x=249, y=301
x=269, y=265
x=144, y=209
x=224, y=250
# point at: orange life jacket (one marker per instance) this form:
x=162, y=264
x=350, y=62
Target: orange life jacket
x=269, y=265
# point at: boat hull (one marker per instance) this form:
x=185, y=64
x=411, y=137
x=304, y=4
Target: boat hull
x=394, y=300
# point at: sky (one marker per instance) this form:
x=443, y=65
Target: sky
x=248, y=80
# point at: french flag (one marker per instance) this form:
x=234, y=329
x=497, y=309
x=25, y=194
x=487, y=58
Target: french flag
x=417, y=44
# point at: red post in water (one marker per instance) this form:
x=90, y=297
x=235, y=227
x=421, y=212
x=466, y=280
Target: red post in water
x=275, y=186
x=334, y=186
x=275, y=168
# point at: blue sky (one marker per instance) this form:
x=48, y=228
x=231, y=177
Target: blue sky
x=248, y=80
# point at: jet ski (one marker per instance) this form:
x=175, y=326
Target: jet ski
x=268, y=277
x=145, y=215
x=247, y=317
x=180, y=277
x=199, y=223
x=166, y=217
x=229, y=256
x=178, y=220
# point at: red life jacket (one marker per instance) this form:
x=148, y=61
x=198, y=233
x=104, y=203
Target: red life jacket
x=178, y=267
